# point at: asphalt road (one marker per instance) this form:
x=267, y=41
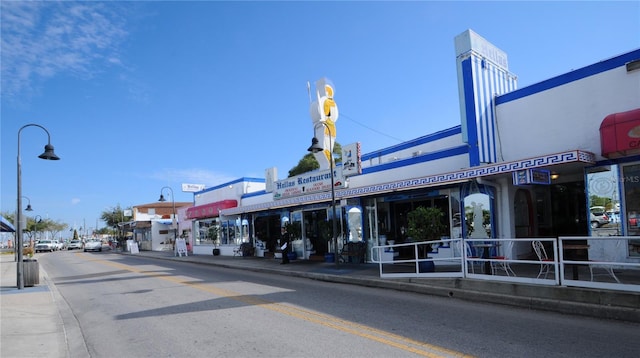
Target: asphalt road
x=130, y=306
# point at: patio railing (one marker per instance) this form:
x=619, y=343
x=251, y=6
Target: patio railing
x=596, y=262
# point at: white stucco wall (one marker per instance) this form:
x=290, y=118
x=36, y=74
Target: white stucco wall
x=566, y=117
x=230, y=191
x=418, y=170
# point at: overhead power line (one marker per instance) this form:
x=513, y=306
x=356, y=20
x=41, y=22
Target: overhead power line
x=342, y=115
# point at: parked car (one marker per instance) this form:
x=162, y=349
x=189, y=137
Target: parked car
x=60, y=245
x=74, y=244
x=93, y=245
x=46, y=245
x=598, y=217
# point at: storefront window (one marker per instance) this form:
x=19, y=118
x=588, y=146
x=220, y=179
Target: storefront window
x=603, y=194
x=207, y=232
x=478, y=216
x=456, y=219
x=614, y=202
x=354, y=220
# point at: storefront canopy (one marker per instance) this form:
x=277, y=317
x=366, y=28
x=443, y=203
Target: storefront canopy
x=5, y=225
x=620, y=134
x=210, y=210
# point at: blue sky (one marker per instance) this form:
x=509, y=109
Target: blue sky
x=141, y=95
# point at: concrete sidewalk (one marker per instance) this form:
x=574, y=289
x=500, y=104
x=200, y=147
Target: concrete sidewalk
x=37, y=321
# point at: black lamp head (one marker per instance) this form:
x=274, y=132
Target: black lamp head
x=315, y=146
x=162, y=198
x=48, y=153
x=28, y=208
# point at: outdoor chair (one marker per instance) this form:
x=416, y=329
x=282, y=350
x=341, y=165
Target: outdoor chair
x=546, y=263
x=470, y=257
x=503, y=263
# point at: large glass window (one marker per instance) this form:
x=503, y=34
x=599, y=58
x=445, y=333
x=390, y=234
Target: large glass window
x=603, y=195
x=207, y=232
x=614, y=202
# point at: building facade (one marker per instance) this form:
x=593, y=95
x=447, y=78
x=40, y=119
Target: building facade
x=546, y=160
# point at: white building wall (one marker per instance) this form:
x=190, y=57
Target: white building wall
x=407, y=150
x=566, y=117
x=444, y=165
x=231, y=191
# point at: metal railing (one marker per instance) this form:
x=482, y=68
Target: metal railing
x=597, y=262
x=607, y=260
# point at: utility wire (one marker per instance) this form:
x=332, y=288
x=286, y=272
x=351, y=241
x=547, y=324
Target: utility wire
x=342, y=115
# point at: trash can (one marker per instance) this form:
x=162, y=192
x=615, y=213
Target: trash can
x=31, y=271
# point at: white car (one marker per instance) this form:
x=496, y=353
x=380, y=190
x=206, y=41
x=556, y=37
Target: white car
x=74, y=244
x=46, y=245
x=93, y=245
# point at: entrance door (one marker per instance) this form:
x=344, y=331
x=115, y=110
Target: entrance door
x=317, y=231
x=522, y=210
x=568, y=209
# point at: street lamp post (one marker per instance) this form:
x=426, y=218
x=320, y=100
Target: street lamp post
x=49, y=155
x=36, y=219
x=15, y=247
x=315, y=148
x=175, y=219
x=28, y=204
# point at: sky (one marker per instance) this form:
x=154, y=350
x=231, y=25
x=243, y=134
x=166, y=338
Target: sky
x=141, y=95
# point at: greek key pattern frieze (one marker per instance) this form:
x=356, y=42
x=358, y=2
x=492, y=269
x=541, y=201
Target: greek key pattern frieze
x=426, y=181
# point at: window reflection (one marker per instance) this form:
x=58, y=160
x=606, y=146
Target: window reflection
x=477, y=216
x=603, y=201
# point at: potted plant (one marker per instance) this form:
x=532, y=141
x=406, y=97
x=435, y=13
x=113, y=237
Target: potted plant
x=294, y=229
x=213, y=234
x=426, y=224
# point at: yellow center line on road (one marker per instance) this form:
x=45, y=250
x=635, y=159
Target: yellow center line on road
x=356, y=329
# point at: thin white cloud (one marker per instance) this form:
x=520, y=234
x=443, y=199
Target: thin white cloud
x=41, y=40
x=75, y=201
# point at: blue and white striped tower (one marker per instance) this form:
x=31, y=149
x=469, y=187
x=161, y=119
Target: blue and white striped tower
x=483, y=73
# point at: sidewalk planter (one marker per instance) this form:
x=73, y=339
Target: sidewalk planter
x=216, y=252
x=329, y=257
x=292, y=256
x=31, y=270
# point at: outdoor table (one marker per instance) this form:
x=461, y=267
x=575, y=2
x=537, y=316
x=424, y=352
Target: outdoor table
x=576, y=247
x=485, y=255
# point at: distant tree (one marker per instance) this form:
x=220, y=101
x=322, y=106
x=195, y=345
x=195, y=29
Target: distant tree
x=309, y=162
x=56, y=227
x=112, y=217
x=9, y=216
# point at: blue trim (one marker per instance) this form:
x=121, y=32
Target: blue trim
x=5, y=225
x=414, y=142
x=255, y=193
x=569, y=77
x=623, y=160
x=450, y=152
x=239, y=180
x=470, y=112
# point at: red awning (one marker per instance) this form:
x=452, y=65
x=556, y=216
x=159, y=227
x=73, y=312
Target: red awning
x=210, y=210
x=620, y=134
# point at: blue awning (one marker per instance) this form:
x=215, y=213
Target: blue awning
x=6, y=226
